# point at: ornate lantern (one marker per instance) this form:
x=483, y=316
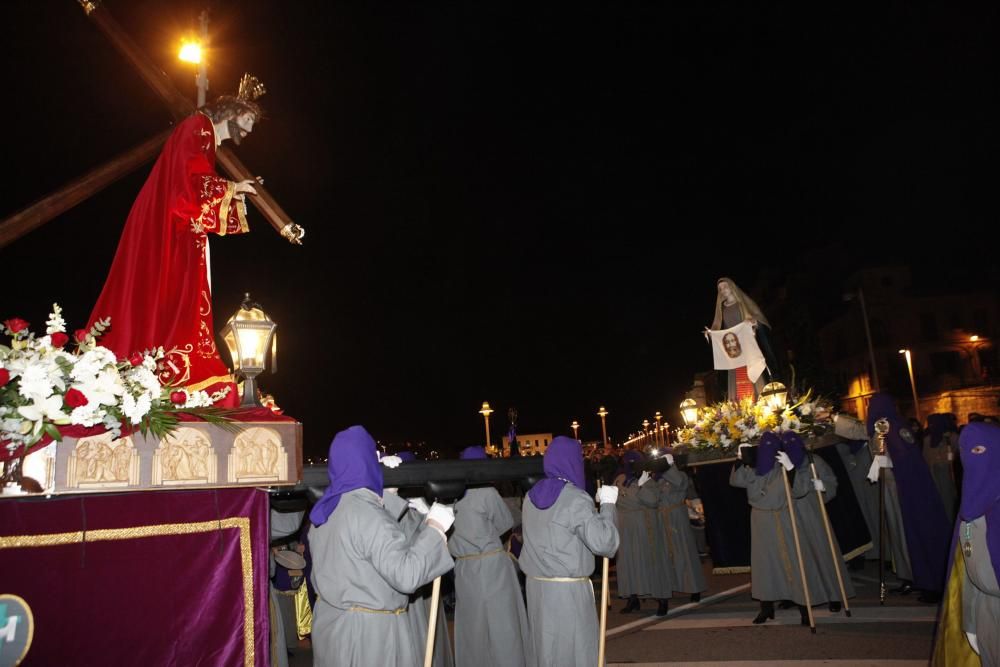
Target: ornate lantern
x=249, y=334
x=774, y=395
x=689, y=411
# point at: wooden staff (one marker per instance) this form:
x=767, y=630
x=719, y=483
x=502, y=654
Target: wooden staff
x=798, y=548
x=432, y=618
x=605, y=603
x=837, y=560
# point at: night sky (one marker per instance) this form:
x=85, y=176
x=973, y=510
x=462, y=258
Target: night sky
x=525, y=203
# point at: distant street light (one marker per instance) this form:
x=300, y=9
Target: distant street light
x=486, y=412
x=576, y=429
x=645, y=432
x=658, y=437
x=602, y=413
x=913, y=385
x=194, y=52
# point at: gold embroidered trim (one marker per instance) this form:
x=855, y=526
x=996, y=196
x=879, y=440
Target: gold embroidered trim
x=366, y=610
x=224, y=208
x=240, y=523
x=562, y=580
x=210, y=381
x=482, y=555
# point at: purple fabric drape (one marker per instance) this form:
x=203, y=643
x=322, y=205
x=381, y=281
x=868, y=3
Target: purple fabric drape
x=794, y=447
x=563, y=462
x=353, y=464
x=149, y=578
x=924, y=519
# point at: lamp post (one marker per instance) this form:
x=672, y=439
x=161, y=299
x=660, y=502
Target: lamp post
x=645, y=432
x=868, y=334
x=602, y=413
x=659, y=435
x=913, y=385
x=249, y=334
x=576, y=429
x=486, y=412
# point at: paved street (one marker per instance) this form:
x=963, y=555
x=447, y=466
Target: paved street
x=718, y=630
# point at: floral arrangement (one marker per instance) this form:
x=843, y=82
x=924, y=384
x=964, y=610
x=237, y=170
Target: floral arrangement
x=44, y=387
x=725, y=425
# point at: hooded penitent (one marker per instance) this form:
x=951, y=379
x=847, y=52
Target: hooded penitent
x=768, y=448
x=563, y=463
x=924, y=520
x=353, y=464
x=473, y=453
x=980, y=448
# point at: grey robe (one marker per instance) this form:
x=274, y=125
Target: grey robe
x=812, y=533
x=363, y=563
x=418, y=611
x=560, y=542
x=857, y=465
x=774, y=563
x=641, y=569
x=675, y=537
x=980, y=593
x=939, y=461
x=491, y=624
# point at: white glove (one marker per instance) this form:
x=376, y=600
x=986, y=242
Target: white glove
x=419, y=504
x=783, y=459
x=669, y=458
x=643, y=478
x=973, y=641
x=391, y=461
x=607, y=494
x=880, y=461
x=819, y=485
x=441, y=517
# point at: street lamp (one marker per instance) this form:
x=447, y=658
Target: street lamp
x=576, y=429
x=486, y=412
x=602, y=413
x=249, y=334
x=913, y=385
x=689, y=411
x=658, y=417
x=645, y=431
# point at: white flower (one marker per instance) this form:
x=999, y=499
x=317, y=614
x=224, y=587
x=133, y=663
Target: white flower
x=35, y=381
x=44, y=408
x=55, y=323
x=87, y=415
x=135, y=409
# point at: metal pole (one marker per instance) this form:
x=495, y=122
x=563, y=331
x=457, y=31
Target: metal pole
x=868, y=337
x=881, y=429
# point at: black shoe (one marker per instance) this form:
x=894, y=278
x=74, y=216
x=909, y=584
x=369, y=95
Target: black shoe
x=930, y=597
x=835, y=607
x=766, y=612
x=661, y=609
x=631, y=605
x=696, y=597
x=904, y=588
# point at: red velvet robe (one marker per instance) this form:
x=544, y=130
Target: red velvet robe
x=157, y=292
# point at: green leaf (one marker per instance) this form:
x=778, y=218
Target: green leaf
x=52, y=432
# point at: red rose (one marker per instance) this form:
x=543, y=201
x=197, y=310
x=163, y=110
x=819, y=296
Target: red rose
x=16, y=324
x=75, y=398
x=80, y=335
x=135, y=359
x=178, y=397
x=59, y=339
x=4, y=376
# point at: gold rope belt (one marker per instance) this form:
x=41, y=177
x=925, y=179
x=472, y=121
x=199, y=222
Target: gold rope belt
x=393, y=612
x=482, y=555
x=562, y=580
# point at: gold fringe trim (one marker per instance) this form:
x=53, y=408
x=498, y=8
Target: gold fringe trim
x=739, y=569
x=241, y=523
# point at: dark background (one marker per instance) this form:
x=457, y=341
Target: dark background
x=525, y=203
